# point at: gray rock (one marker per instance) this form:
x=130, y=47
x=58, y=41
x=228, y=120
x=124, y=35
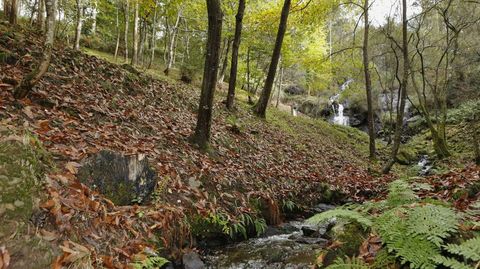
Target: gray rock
x=123, y=179
x=191, y=260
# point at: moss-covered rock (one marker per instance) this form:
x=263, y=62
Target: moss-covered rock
x=23, y=163
x=406, y=155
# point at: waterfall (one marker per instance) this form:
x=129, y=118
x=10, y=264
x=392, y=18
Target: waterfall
x=340, y=118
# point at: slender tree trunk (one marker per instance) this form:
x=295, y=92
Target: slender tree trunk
x=279, y=87
x=236, y=47
x=41, y=15
x=204, y=120
x=171, y=46
x=135, y=34
x=31, y=79
x=94, y=17
x=78, y=31
x=368, y=83
x=476, y=138
x=117, y=29
x=34, y=10
x=250, y=101
x=154, y=37
x=141, y=45
x=261, y=106
x=403, y=93
x=221, y=76
x=187, y=42
x=127, y=13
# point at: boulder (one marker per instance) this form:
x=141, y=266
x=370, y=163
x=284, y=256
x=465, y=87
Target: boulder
x=191, y=260
x=124, y=179
x=294, y=90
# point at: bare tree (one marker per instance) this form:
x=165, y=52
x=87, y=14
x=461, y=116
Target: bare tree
x=78, y=29
x=31, y=79
x=117, y=29
x=261, y=106
x=154, y=36
x=368, y=82
x=402, y=94
x=171, y=46
x=228, y=44
x=204, y=121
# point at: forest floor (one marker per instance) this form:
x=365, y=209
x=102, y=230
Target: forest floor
x=85, y=104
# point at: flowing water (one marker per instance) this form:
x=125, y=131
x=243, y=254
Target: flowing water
x=287, y=247
x=292, y=245
x=339, y=117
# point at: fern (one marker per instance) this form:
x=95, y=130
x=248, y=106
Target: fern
x=348, y=263
x=400, y=193
x=450, y=262
x=469, y=249
x=343, y=214
x=432, y=222
x=153, y=262
x=413, y=249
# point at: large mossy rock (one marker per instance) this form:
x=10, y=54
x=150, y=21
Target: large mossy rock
x=406, y=156
x=23, y=163
x=124, y=179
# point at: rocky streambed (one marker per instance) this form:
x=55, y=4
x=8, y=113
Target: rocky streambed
x=294, y=245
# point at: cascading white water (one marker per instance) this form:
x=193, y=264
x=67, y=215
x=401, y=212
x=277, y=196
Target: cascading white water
x=339, y=118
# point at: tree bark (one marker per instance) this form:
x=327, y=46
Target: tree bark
x=476, y=138
x=30, y=80
x=11, y=11
x=279, y=87
x=221, y=76
x=403, y=93
x=171, y=46
x=41, y=15
x=127, y=11
x=117, y=29
x=78, y=31
x=368, y=84
x=261, y=106
x=204, y=121
x=249, y=91
x=135, y=34
x=94, y=17
x=154, y=37
x=236, y=47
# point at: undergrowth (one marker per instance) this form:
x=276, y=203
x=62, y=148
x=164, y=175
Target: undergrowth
x=414, y=232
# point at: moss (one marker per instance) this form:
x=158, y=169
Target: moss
x=406, y=155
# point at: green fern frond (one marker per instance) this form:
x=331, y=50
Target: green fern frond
x=393, y=229
x=153, y=262
x=469, y=249
x=343, y=214
x=348, y=263
x=450, y=262
x=400, y=193
x=434, y=223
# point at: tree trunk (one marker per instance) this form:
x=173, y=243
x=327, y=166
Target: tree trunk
x=30, y=80
x=476, y=138
x=127, y=11
x=94, y=17
x=236, y=47
x=261, y=106
x=143, y=32
x=78, y=31
x=41, y=15
x=171, y=46
x=135, y=34
x=368, y=84
x=221, y=76
x=11, y=11
x=117, y=28
x=249, y=91
x=204, y=120
x=279, y=87
x=403, y=93
x=154, y=37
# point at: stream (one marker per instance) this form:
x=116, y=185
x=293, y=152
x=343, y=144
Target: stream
x=292, y=245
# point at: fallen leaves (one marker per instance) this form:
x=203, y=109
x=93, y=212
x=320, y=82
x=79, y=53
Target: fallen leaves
x=4, y=258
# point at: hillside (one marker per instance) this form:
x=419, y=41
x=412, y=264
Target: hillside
x=85, y=104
